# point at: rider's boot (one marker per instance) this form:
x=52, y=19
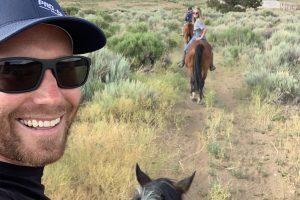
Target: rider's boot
x=183, y=59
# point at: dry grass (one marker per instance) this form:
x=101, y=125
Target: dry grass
x=283, y=123
x=99, y=162
x=104, y=147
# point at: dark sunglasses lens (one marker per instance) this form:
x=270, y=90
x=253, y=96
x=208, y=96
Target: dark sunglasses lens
x=19, y=75
x=72, y=72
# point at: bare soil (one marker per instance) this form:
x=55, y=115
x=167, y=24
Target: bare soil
x=252, y=156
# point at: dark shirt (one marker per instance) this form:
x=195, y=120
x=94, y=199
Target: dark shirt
x=21, y=182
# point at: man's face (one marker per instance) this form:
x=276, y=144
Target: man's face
x=50, y=108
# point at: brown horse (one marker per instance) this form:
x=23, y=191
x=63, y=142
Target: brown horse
x=199, y=58
x=188, y=32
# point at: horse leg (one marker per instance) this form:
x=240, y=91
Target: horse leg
x=193, y=94
x=201, y=93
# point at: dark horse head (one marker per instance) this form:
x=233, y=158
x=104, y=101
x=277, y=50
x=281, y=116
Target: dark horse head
x=162, y=188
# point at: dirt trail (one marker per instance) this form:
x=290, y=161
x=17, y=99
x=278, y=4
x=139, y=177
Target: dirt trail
x=250, y=171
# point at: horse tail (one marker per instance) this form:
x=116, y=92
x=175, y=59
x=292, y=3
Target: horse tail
x=197, y=72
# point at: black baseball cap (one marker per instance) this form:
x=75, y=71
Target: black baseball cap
x=18, y=15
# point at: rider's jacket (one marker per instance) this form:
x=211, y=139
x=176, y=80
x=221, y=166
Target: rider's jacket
x=189, y=16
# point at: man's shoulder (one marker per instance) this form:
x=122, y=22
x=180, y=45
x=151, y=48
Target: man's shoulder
x=5, y=195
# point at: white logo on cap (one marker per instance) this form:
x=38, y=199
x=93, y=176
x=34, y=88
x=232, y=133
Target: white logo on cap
x=48, y=6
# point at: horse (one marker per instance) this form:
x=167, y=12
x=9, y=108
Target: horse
x=198, y=59
x=161, y=188
x=188, y=30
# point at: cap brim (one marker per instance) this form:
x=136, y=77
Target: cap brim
x=86, y=36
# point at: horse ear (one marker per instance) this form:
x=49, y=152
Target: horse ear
x=184, y=185
x=142, y=177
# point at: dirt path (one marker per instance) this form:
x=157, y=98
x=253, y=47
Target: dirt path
x=249, y=170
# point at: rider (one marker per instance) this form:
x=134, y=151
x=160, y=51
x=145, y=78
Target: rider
x=188, y=17
x=199, y=33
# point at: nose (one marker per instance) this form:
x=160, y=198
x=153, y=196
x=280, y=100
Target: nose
x=48, y=93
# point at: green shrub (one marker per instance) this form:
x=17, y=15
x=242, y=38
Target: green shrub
x=105, y=15
x=235, y=35
x=215, y=149
x=140, y=48
x=173, y=40
x=89, y=12
x=231, y=54
x=139, y=27
x=277, y=70
x=127, y=100
x=169, y=84
x=280, y=36
x=98, y=20
x=284, y=82
x=281, y=81
x=106, y=67
x=172, y=25
x=71, y=11
x=111, y=30
x=153, y=22
x=267, y=13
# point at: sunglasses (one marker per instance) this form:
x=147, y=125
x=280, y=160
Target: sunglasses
x=196, y=13
x=21, y=74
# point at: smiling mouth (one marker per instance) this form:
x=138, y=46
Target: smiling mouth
x=40, y=123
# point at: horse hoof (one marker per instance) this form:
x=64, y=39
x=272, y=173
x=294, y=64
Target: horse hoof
x=199, y=101
x=193, y=99
x=193, y=96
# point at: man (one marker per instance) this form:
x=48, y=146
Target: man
x=188, y=18
x=40, y=81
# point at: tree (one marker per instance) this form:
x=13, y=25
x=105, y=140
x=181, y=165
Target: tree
x=252, y=3
x=234, y=5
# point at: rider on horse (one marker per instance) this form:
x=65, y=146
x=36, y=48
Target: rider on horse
x=199, y=34
x=188, y=17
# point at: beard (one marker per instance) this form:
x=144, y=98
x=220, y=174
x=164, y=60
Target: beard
x=41, y=150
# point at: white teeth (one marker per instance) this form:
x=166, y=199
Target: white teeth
x=40, y=124
x=46, y=124
x=35, y=123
